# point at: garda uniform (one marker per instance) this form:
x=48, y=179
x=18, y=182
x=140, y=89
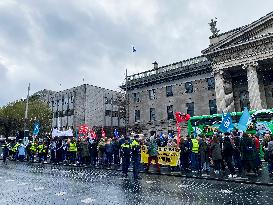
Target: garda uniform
x=126, y=155
x=15, y=149
x=41, y=152
x=135, y=146
x=33, y=150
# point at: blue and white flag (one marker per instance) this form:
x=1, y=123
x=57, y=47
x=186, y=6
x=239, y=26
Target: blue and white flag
x=36, y=128
x=244, y=120
x=226, y=124
x=161, y=136
x=116, y=133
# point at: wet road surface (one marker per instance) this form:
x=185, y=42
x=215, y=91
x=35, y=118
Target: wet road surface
x=23, y=183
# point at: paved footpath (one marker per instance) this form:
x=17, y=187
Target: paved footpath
x=23, y=183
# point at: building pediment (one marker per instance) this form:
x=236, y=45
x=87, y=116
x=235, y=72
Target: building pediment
x=260, y=29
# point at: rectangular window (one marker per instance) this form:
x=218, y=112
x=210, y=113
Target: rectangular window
x=152, y=94
x=190, y=108
x=169, y=90
x=136, y=97
x=211, y=83
x=189, y=87
x=137, y=115
x=115, y=114
x=152, y=114
x=212, y=107
x=107, y=112
x=170, y=115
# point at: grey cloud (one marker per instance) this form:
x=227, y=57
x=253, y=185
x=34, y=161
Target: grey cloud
x=52, y=42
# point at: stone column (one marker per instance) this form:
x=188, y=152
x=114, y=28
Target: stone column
x=219, y=91
x=253, y=86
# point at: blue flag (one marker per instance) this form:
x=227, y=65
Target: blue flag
x=226, y=124
x=161, y=136
x=170, y=136
x=36, y=128
x=244, y=120
x=116, y=133
x=134, y=50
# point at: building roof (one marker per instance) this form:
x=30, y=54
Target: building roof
x=181, y=69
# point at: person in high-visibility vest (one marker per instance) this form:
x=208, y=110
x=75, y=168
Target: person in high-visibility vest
x=41, y=152
x=72, y=150
x=126, y=155
x=33, y=150
x=15, y=151
x=135, y=146
x=195, y=157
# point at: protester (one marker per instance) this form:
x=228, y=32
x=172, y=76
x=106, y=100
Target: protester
x=216, y=154
x=153, y=153
x=270, y=157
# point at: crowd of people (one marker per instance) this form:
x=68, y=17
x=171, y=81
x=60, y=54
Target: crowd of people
x=229, y=153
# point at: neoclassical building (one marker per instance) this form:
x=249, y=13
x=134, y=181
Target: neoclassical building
x=241, y=62
x=233, y=72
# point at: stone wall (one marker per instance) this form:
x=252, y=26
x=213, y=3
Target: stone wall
x=200, y=96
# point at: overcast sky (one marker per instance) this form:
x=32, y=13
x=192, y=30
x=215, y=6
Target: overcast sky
x=53, y=42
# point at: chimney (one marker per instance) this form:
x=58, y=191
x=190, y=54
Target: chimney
x=155, y=65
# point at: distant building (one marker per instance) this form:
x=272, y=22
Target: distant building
x=86, y=104
x=234, y=72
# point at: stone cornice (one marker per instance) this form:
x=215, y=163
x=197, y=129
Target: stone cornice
x=241, y=46
x=244, y=33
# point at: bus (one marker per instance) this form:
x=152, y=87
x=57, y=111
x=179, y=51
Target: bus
x=262, y=121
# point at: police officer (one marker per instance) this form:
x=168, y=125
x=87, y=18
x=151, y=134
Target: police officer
x=41, y=152
x=135, y=146
x=5, y=149
x=15, y=151
x=126, y=155
x=33, y=150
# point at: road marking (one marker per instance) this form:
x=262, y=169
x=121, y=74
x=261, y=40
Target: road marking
x=183, y=186
x=88, y=200
x=226, y=191
x=60, y=193
x=22, y=184
x=9, y=180
x=150, y=182
x=39, y=188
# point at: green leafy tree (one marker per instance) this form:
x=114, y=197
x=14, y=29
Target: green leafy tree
x=12, y=116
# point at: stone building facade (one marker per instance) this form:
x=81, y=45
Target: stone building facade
x=86, y=104
x=234, y=72
x=155, y=95
x=242, y=61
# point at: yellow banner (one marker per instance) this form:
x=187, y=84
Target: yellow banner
x=166, y=155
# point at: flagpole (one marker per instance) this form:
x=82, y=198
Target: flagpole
x=26, y=115
x=126, y=103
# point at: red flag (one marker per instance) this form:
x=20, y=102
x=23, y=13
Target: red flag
x=182, y=117
x=102, y=132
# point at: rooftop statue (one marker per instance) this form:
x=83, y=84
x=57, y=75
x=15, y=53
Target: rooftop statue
x=213, y=28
